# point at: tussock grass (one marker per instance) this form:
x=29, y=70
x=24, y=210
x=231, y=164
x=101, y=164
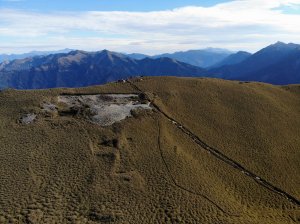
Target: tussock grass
x=63, y=169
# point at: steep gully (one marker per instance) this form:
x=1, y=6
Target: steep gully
x=219, y=155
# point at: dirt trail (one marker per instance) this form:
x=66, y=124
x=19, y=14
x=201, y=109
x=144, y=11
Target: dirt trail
x=177, y=184
x=219, y=155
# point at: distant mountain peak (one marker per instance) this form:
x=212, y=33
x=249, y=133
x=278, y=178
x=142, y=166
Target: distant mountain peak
x=279, y=43
x=111, y=54
x=166, y=59
x=277, y=63
x=232, y=59
x=282, y=45
x=105, y=51
x=74, y=52
x=242, y=52
x=218, y=50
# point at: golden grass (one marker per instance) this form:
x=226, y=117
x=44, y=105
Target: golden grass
x=63, y=169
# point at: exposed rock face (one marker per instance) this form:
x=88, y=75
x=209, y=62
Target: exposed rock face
x=28, y=118
x=104, y=109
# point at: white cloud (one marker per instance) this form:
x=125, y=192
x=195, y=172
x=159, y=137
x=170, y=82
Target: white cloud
x=243, y=24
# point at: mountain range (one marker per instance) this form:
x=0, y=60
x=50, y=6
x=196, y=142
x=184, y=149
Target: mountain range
x=232, y=59
x=202, y=58
x=278, y=63
x=10, y=57
x=80, y=68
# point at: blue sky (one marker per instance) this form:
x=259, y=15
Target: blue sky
x=104, y=5
x=146, y=26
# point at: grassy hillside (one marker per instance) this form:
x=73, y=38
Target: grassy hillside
x=189, y=160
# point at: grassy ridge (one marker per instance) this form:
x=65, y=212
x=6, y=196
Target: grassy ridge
x=145, y=170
